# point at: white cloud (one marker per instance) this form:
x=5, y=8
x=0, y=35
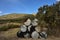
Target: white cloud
x=0, y=11
x=57, y=0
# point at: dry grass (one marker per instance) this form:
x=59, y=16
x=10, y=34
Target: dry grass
x=11, y=35
x=10, y=23
x=6, y=26
x=12, y=16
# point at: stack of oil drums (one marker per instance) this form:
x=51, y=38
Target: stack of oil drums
x=29, y=30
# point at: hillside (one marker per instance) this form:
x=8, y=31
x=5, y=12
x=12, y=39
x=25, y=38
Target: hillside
x=15, y=17
x=12, y=16
x=13, y=20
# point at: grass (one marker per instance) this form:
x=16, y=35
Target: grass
x=7, y=26
x=11, y=35
x=13, y=20
x=12, y=16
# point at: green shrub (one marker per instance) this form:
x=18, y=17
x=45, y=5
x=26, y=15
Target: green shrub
x=6, y=27
x=3, y=28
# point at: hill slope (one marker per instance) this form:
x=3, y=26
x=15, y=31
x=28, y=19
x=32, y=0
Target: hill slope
x=12, y=16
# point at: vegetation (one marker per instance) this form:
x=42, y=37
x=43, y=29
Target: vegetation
x=6, y=26
x=50, y=16
x=19, y=18
x=13, y=20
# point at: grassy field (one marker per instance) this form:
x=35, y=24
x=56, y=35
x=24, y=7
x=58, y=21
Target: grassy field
x=9, y=28
x=6, y=26
x=12, y=16
x=11, y=35
x=12, y=21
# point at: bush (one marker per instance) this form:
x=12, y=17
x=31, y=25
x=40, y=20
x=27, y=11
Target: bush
x=3, y=28
x=9, y=26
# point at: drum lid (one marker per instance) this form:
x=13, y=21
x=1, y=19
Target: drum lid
x=35, y=35
x=23, y=28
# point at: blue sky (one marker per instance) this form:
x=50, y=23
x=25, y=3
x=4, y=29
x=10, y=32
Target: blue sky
x=22, y=6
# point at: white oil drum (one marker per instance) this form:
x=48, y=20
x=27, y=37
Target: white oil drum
x=23, y=28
